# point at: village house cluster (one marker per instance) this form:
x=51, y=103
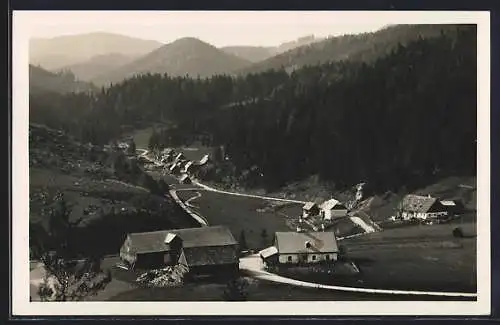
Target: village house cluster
x=177, y=164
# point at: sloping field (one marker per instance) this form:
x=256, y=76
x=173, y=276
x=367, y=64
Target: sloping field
x=414, y=258
x=108, y=207
x=240, y=214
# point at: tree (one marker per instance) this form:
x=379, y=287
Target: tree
x=236, y=290
x=243, y=241
x=70, y=277
x=263, y=236
x=131, y=147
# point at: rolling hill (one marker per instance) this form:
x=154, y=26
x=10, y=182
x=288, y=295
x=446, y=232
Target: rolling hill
x=41, y=80
x=184, y=56
x=98, y=65
x=57, y=52
x=360, y=47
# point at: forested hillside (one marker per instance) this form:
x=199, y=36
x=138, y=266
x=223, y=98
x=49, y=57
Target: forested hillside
x=41, y=80
x=405, y=117
x=365, y=47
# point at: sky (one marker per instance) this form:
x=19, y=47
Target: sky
x=221, y=28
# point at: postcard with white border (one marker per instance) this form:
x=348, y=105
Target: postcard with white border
x=251, y=163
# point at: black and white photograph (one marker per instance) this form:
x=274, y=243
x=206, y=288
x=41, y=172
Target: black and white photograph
x=206, y=162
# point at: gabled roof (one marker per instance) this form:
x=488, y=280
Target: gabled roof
x=332, y=204
x=417, y=203
x=191, y=237
x=295, y=242
x=309, y=205
x=268, y=252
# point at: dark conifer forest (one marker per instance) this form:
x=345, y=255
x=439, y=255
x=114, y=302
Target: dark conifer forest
x=407, y=117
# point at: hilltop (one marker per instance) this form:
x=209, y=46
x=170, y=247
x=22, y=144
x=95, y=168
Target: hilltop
x=57, y=52
x=185, y=56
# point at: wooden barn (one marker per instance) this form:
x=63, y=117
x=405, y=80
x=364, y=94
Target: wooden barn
x=204, y=250
x=301, y=248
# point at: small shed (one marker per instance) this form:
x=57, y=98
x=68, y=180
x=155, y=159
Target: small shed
x=310, y=209
x=185, y=179
x=269, y=255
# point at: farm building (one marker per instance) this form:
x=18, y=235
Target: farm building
x=301, y=248
x=204, y=250
x=453, y=207
x=204, y=160
x=185, y=179
x=421, y=207
x=180, y=156
x=333, y=209
x=310, y=209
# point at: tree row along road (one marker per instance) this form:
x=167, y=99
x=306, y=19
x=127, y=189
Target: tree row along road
x=254, y=266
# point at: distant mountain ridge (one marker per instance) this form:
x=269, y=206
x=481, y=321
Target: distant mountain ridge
x=185, y=56
x=260, y=53
x=359, y=47
x=57, y=52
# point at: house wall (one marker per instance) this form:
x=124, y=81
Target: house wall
x=407, y=215
x=311, y=258
x=125, y=254
x=154, y=260
x=334, y=213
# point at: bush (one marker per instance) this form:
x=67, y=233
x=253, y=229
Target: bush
x=458, y=233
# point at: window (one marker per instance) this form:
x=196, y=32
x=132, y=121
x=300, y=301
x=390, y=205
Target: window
x=289, y=259
x=327, y=257
x=314, y=257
